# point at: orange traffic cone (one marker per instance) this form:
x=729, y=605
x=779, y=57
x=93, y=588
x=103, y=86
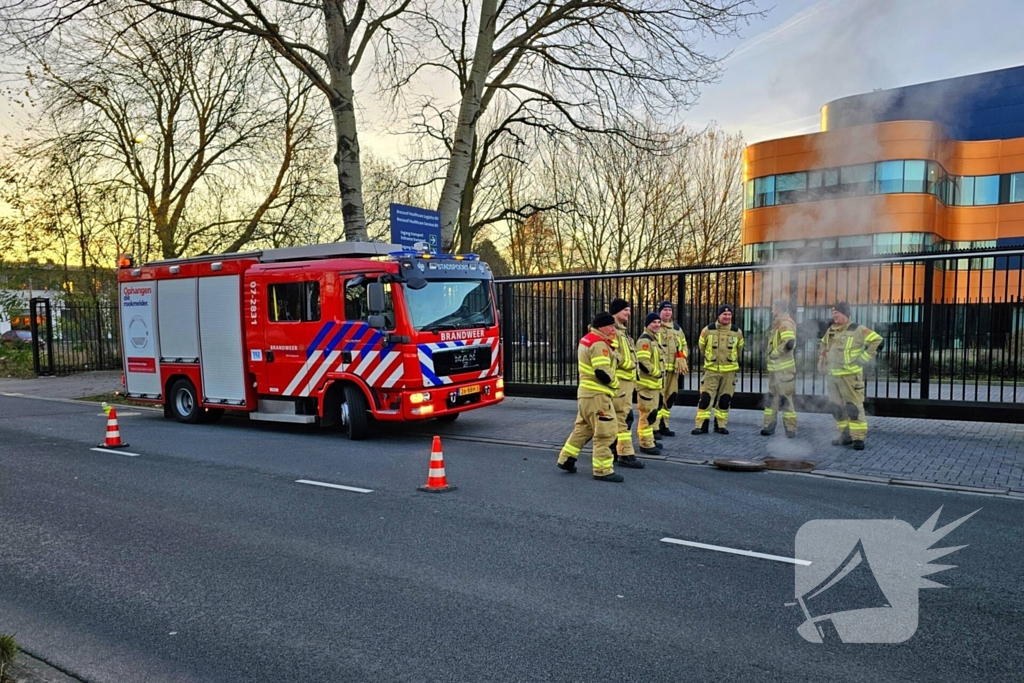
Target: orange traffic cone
x=113, y=439
x=437, y=482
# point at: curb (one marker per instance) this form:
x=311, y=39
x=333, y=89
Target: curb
x=27, y=669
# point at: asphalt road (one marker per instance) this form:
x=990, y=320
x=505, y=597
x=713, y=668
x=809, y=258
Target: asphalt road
x=203, y=560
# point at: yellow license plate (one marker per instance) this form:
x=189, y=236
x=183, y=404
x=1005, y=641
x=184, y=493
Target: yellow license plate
x=472, y=389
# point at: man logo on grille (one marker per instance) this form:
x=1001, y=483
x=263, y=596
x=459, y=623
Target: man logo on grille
x=862, y=580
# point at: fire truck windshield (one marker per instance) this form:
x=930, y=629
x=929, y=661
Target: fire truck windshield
x=450, y=305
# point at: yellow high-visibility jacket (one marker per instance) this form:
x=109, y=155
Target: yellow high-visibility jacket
x=846, y=349
x=596, y=352
x=780, y=350
x=721, y=346
x=648, y=355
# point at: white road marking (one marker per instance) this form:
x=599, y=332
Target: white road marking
x=354, y=489
x=734, y=551
x=110, y=450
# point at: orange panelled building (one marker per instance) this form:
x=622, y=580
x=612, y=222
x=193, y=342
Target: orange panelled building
x=924, y=169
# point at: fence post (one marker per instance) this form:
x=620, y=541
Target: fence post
x=507, y=333
x=99, y=336
x=926, y=333
x=34, y=328
x=588, y=313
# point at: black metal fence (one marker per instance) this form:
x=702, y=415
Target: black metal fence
x=73, y=336
x=953, y=325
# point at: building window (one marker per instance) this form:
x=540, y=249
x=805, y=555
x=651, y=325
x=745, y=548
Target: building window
x=764, y=191
x=963, y=191
x=935, y=175
x=889, y=177
x=857, y=180
x=790, y=188
x=748, y=195
x=914, y=173
x=294, y=302
x=1017, y=187
x=986, y=190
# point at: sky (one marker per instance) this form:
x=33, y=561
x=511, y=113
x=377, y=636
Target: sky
x=784, y=67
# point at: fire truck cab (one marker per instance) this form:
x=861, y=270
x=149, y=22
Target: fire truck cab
x=328, y=334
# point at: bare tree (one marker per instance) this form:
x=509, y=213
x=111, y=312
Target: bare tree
x=582, y=65
x=712, y=179
x=327, y=42
x=187, y=123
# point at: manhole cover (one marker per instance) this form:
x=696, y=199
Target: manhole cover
x=789, y=464
x=738, y=465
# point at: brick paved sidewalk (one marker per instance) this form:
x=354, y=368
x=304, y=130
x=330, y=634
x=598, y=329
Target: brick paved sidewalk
x=976, y=454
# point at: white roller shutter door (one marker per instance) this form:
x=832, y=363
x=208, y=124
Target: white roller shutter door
x=220, y=338
x=179, y=320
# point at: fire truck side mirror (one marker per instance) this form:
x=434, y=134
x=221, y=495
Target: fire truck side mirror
x=376, y=321
x=375, y=297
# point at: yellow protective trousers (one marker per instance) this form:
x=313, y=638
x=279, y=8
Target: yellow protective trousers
x=646, y=403
x=623, y=403
x=846, y=399
x=668, y=386
x=595, y=419
x=781, y=390
x=716, y=391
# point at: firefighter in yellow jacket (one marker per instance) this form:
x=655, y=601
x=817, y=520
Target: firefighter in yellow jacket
x=721, y=342
x=845, y=349
x=595, y=415
x=781, y=372
x=672, y=343
x=650, y=372
x=625, y=372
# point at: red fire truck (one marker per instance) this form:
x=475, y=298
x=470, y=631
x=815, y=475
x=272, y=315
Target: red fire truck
x=331, y=333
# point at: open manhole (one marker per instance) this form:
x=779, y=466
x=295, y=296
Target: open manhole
x=738, y=465
x=789, y=464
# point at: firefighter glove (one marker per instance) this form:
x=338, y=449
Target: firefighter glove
x=602, y=376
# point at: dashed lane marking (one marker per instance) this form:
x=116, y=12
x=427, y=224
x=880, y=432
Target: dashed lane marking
x=735, y=551
x=354, y=489
x=110, y=450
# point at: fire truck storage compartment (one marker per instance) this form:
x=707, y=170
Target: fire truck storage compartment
x=220, y=339
x=178, y=321
x=299, y=411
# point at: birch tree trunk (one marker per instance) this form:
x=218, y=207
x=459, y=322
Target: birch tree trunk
x=469, y=111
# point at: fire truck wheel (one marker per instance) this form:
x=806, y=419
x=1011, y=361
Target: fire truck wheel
x=354, y=413
x=184, y=402
x=449, y=418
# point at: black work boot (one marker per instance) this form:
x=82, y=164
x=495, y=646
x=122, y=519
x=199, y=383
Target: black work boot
x=768, y=431
x=790, y=434
x=658, y=444
x=721, y=430
x=609, y=477
x=631, y=462
x=665, y=431
x=650, y=451
x=569, y=465
x=858, y=445
x=703, y=429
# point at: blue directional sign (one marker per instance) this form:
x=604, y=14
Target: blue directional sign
x=411, y=224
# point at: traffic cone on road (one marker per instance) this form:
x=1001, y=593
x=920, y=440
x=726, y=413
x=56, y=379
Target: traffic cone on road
x=113, y=439
x=437, y=482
